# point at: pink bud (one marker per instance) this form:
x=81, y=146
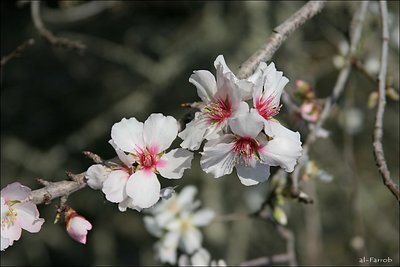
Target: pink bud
x=77, y=226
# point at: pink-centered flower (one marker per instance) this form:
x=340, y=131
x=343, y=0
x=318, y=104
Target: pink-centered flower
x=17, y=213
x=146, y=144
x=222, y=99
x=77, y=226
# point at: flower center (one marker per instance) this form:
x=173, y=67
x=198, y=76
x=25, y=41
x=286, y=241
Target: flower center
x=147, y=158
x=219, y=111
x=9, y=219
x=266, y=108
x=245, y=148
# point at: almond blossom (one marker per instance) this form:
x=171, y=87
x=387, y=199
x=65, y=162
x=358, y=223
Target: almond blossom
x=250, y=150
x=222, y=98
x=17, y=213
x=77, y=226
x=146, y=143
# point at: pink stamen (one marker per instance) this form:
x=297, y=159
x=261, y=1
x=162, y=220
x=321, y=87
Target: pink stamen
x=218, y=111
x=147, y=158
x=266, y=108
x=245, y=147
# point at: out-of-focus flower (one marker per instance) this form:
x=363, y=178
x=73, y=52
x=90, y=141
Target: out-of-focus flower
x=17, y=213
x=303, y=91
x=77, y=226
x=222, y=99
x=176, y=221
x=146, y=144
x=200, y=258
x=351, y=120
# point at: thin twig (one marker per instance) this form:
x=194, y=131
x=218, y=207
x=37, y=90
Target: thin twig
x=48, y=35
x=355, y=31
x=17, y=52
x=281, y=33
x=378, y=130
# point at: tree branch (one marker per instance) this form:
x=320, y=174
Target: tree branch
x=378, y=130
x=48, y=35
x=17, y=52
x=281, y=33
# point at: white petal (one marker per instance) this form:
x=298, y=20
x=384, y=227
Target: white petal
x=96, y=175
x=128, y=203
x=171, y=239
x=184, y=260
x=173, y=164
x=186, y=196
x=128, y=134
x=258, y=73
x=165, y=254
x=167, y=192
x=246, y=125
x=128, y=160
x=252, y=175
x=194, y=132
x=15, y=191
x=28, y=217
x=274, y=83
x=152, y=226
x=5, y=243
x=12, y=232
x=218, y=158
x=144, y=188
x=201, y=258
x=220, y=63
x=282, y=152
x=203, y=217
x=191, y=240
x=274, y=129
x=114, y=186
x=205, y=84
x=160, y=131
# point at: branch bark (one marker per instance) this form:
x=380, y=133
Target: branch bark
x=378, y=130
x=48, y=35
x=281, y=33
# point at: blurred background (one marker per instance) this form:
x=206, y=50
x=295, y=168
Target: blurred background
x=56, y=103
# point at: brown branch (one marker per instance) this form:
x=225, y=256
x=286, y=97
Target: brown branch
x=378, y=130
x=281, y=33
x=57, y=189
x=355, y=33
x=17, y=52
x=48, y=35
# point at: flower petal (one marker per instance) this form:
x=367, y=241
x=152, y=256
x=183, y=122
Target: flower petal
x=114, y=186
x=160, y=131
x=152, y=226
x=282, y=152
x=128, y=134
x=28, y=217
x=246, y=125
x=274, y=83
x=252, y=175
x=186, y=196
x=15, y=191
x=274, y=129
x=218, y=157
x=203, y=217
x=96, y=175
x=144, y=188
x=194, y=132
x=12, y=232
x=174, y=163
x=201, y=258
x=128, y=160
x=128, y=203
x=205, y=84
x=5, y=243
x=191, y=240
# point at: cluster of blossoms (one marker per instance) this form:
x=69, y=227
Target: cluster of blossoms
x=238, y=135
x=175, y=222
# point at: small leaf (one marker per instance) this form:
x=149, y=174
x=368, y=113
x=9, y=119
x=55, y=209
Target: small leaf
x=373, y=99
x=392, y=94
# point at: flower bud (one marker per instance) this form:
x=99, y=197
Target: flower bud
x=77, y=226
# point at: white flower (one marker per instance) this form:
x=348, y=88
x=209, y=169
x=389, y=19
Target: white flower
x=242, y=149
x=200, y=258
x=77, y=226
x=146, y=144
x=17, y=213
x=168, y=209
x=96, y=175
x=185, y=228
x=222, y=99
